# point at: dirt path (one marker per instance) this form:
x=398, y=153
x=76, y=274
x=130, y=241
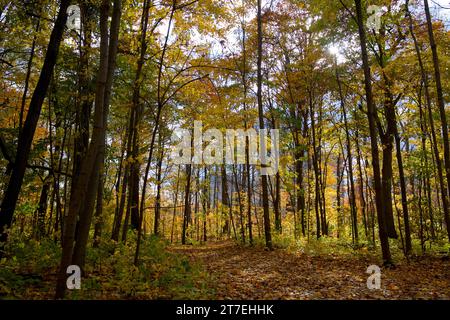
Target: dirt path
x=254, y=273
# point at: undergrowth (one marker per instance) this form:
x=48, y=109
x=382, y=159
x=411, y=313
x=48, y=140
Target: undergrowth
x=29, y=271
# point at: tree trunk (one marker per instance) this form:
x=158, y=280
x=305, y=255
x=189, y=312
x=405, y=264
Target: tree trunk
x=265, y=195
x=90, y=164
x=27, y=77
x=158, y=185
x=11, y=194
x=187, y=204
x=403, y=191
x=371, y=115
x=175, y=204
x=352, y=195
x=42, y=209
x=86, y=212
x=442, y=112
x=99, y=219
x=425, y=82
x=339, y=176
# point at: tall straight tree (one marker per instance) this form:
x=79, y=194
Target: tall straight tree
x=441, y=105
x=425, y=83
x=352, y=194
x=96, y=179
x=371, y=115
x=29, y=127
x=264, y=184
x=90, y=166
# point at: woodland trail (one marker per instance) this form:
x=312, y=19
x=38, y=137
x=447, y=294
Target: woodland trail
x=253, y=273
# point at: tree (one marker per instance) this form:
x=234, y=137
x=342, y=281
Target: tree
x=265, y=194
x=29, y=127
x=441, y=105
x=90, y=166
x=371, y=115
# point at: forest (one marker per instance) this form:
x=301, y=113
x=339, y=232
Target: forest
x=224, y=149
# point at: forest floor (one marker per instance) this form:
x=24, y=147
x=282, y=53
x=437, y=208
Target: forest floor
x=225, y=270
x=240, y=272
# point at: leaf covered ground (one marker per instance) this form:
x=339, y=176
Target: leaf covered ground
x=225, y=270
x=254, y=273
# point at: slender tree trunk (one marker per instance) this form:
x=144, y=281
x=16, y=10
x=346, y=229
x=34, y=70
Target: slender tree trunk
x=240, y=204
x=371, y=114
x=137, y=110
x=27, y=77
x=249, y=192
x=11, y=194
x=361, y=187
x=352, y=195
x=42, y=209
x=160, y=105
x=158, y=185
x=442, y=112
x=265, y=195
x=425, y=164
x=90, y=164
x=206, y=201
x=85, y=100
x=86, y=212
x=196, y=204
x=120, y=195
x=187, y=203
x=339, y=176
x=225, y=201
x=99, y=219
x=425, y=82
x=403, y=191
x=175, y=205
x=317, y=177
